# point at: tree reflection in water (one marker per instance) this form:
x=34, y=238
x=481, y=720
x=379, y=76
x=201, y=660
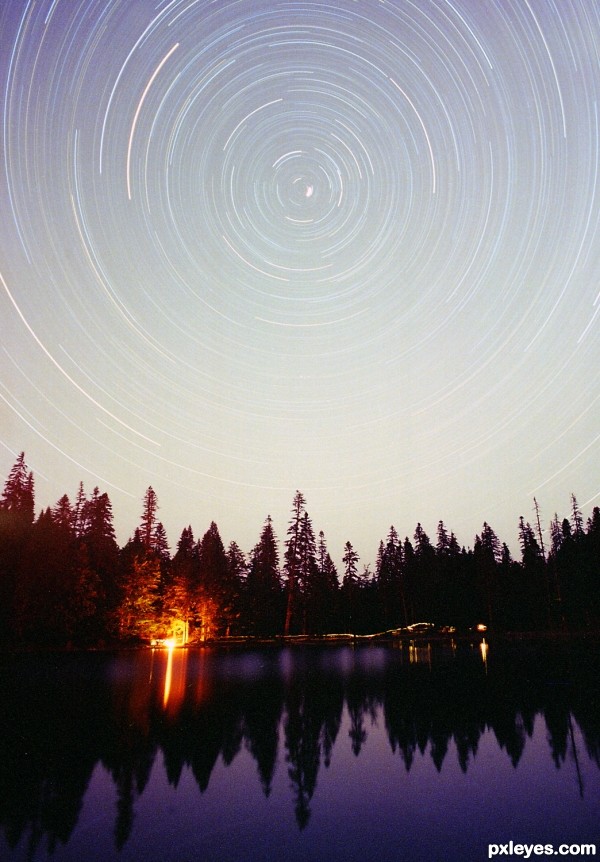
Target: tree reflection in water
x=63, y=714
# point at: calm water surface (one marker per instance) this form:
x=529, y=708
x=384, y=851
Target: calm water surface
x=425, y=752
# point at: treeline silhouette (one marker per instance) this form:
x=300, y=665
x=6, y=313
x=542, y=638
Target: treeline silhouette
x=65, y=580
x=286, y=708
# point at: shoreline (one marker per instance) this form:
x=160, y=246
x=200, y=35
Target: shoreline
x=331, y=640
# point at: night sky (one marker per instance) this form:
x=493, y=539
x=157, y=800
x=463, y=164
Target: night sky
x=350, y=248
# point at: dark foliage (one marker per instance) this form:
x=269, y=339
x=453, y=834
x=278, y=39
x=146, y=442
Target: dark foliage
x=64, y=580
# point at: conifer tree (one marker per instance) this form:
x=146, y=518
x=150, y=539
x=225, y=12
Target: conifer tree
x=17, y=496
x=556, y=536
x=389, y=574
x=443, y=540
x=263, y=585
x=79, y=511
x=148, y=520
x=426, y=587
x=217, y=593
x=308, y=577
x=323, y=594
x=292, y=560
x=16, y=522
x=576, y=519
x=183, y=578
x=486, y=555
x=530, y=596
x=99, y=540
x=350, y=587
x=236, y=562
x=140, y=606
x=63, y=516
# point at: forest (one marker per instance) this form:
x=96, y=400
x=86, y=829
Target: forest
x=64, y=580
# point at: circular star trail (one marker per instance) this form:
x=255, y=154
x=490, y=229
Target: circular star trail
x=350, y=248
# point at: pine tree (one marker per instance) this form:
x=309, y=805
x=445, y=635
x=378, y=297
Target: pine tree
x=236, y=562
x=17, y=497
x=409, y=570
x=389, y=574
x=539, y=527
x=63, y=516
x=426, y=587
x=443, y=540
x=350, y=587
x=322, y=598
x=217, y=594
x=263, y=586
x=99, y=540
x=183, y=578
x=350, y=560
x=556, y=536
x=140, y=606
x=160, y=544
x=533, y=601
x=292, y=560
x=148, y=520
x=308, y=577
x=487, y=553
x=79, y=511
x=185, y=562
x=16, y=523
x=576, y=519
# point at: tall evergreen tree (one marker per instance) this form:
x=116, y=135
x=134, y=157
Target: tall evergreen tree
x=149, y=519
x=556, y=536
x=183, y=578
x=18, y=496
x=576, y=519
x=486, y=555
x=450, y=589
x=443, y=540
x=103, y=556
x=63, y=515
x=140, y=608
x=389, y=574
x=217, y=594
x=292, y=560
x=308, y=578
x=531, y=596
x=425, y=585
x=16, y=521
x=263, y=586
x=350, y=588
x=322, y=597
x=236, y=562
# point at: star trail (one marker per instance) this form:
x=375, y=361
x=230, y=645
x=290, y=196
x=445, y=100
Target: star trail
x=351, y=248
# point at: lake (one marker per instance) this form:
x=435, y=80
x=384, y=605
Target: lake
x=421, y=752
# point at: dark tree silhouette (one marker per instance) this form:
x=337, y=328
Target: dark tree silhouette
x=292, y=563
x=148, y=520
x=16, y=519
x=263, y=586
x=390, y=576
x=216, y=595
x=100, y=592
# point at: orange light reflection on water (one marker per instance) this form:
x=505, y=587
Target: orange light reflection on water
x=168, y=675
x=483, y=648
x=175, y=679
